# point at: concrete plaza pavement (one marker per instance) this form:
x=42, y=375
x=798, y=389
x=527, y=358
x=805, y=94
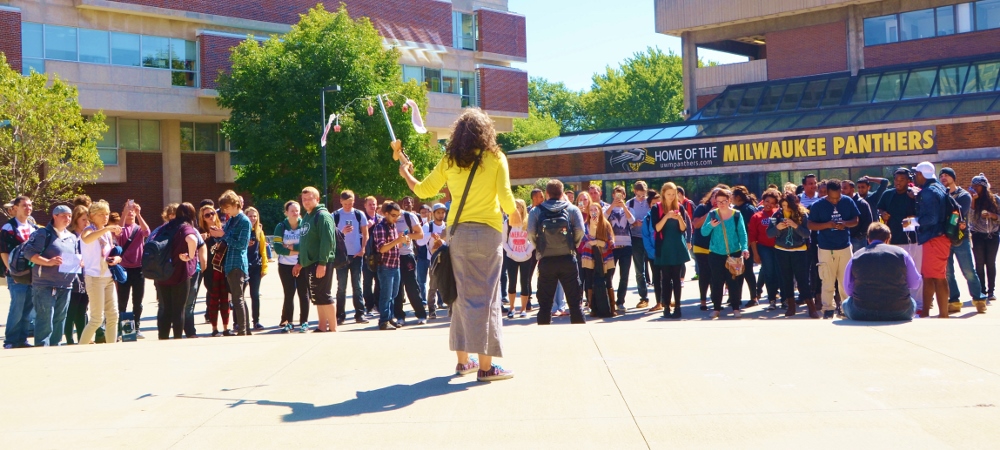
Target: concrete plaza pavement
x=637, y=381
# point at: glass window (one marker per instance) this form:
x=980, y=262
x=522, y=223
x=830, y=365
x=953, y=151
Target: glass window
x=94, y=46
x=835, y=92
x=840, y=117
x=622, y=137
x=687, y=132
x=871, y=114
x=919, y=84
x=110, y=138
x=881, y=30
x=667, y=133
x=149, y=135
x=128, y=134
x=951, y=79
x=183, y=55
x=470, y=95
x=938, y=109
x=916, y=25
x=108, y=156
x=811, y=120
x=449, y=81
x=731, y=102
x=32, y=41
x=771, y=98
x=813, y=93
x=904, y=112
x=996, y=106
x=963, y=18
x=60, y=43
x=600, y=138
x=974, y=106
x=865, y=89
x=464, y=30
x=713, y=129
x=759, y=125
x=432, y=78
x=750, y=99
x=156, y=52
x=644, y=135
x=792, y=95
x=987, y=14
x=945, y=20
x=712, y=108
x=737, y=126
x=577, y=140
x=187, y=136
x=986, y=79
x=413, y=73
x=891, y=87
x=783, y=122
x=125, y=49
x=29, y=65
x=178, y=78
x=206, y=137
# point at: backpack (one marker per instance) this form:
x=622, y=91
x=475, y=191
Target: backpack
x=951, y=218
x=340, y=256
x=555, y=233
x=156, y=262
x=20, y=266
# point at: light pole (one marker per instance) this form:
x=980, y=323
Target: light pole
x=322, y=128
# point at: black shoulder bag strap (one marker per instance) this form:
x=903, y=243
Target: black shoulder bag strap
x=465, y=196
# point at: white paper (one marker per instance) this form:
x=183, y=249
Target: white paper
x=70, y=264
x=910, y=224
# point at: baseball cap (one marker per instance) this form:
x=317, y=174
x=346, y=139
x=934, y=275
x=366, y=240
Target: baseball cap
x=439, y=206
x=61, y=209
x=926, y=169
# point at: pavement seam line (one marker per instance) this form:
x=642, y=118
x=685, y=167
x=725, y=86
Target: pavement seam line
x=619, y=389
x=935, y=351
x=202, y=424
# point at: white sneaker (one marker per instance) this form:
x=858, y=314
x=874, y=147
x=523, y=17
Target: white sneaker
x=421, y=322
x=737, y=314
x=714, y=315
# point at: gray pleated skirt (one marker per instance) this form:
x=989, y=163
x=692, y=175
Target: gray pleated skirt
x=476, y=316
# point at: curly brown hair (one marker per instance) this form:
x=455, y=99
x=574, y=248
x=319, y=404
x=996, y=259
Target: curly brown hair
x=798, y=211
x=473, y=132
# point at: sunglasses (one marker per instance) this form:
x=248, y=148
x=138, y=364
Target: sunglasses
x=209, y=215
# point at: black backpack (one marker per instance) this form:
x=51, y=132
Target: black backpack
x=951, y=219
x=340, y=256
x=555, y=233
x=20, y=266
x=157, y=265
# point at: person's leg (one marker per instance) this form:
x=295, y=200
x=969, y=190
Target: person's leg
x=917, y=254
x=992, y=246
x=408, y=282
x=192, y=298
x=162, y=315
x=302, y=288
x=288, y=291
x=124, y=292
x=704, y=275
x=138, y=294
x=979, y=258
x=559, y=302
x=423, y=265
x=841, y=258
x=73, y=313
x=768, y=272
x=623, y=259
x=60, y=306
x=254, y=284
x=21, y=303
x=180, y=295
x=665, y=288
x=387, y=295
x=674, y=272
x=342, y=274
x=800, y=270
x=357, y=294
x=786, y=274
x=735, y=285
x=546, y=290
x=751, y=279
x=569, y=278
x=963, y=253
x=639, y=261
x=719, y=275
x=527, y=269
x=368, y=278
x=235, y=279
x=510, y=275
x=828, y=273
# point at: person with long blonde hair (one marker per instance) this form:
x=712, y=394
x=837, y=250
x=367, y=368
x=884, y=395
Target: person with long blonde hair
x=217, y=296
x=257, y=258
x=597, y=256
x=671, y=225
x=96, y=242
x=519, y=256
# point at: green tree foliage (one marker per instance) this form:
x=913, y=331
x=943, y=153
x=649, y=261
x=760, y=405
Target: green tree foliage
x=523, y=192
x=535, y=128
x=48, y=150
x=273, y=92
x=557, y=101
x=644, y=90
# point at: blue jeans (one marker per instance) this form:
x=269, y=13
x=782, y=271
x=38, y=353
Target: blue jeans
x=16, y=332
x=423, y=265
x=51, y=304
x=855, y=313
x=189, y=329
x=559, y=301
x=388, y=280
x=963, y=252
x=769, y=275
x=353, y=271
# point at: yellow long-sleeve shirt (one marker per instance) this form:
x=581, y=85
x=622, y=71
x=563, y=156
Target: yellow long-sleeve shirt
x=489, y=194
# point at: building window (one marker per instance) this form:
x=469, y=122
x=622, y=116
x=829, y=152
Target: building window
x=107, y=147
x=432, y=79
x=470, y=91
x=963, y=17
x=40, y=42
x=202, y=137
x=916, y=25
x=464, y=30
x=136, y=134
x=987, y=14
x=945, y=20
x=413, y=73
x=881, y=30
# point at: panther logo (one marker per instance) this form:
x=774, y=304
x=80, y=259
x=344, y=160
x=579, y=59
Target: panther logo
x=630, y=160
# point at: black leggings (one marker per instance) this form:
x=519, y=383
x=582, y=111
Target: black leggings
x=704, y=274
x=749, y=276
x=720, y=277
x=984, y=251
x=292, y=284
x=527, y=269
x=793, y=267
x=670, y=283
x=170, y=316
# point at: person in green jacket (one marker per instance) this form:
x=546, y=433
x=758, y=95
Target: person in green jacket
x=286, y=245
x=317, y=246
x=728, y=238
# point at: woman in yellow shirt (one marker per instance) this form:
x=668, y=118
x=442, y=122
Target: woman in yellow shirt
x=475, y=241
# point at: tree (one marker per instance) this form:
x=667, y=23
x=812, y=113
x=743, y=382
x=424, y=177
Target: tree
x=535, y=128
x=48, y=150
x=273, y=92
x=555, y=100
x=644, y=90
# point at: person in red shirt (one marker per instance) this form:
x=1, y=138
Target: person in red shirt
x=763, y=246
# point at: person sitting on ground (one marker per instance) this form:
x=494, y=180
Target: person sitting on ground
x=879, y=279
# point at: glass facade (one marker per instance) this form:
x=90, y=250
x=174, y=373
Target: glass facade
x=203, y=137
x=446, y=81
x=40, y=42
x=928, y=23
x=464, y=30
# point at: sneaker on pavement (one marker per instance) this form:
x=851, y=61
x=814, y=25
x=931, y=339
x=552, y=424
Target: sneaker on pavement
x=395, y=324
x=8, y=346
x=828, y=314
x=258, y=326
x=421, y=322
x=522, y=315
x=228, y=333
x=954, y=307
x=495, y=373
x=432, y=315
x=737, y=314
x=510, y=315
x=467, y=368
x=304, y=328
x=386, y=326
x=361, y=319
x=642, y=304
x=287, y=328
x=713, y=315
x=621, y=309
x=138, y=335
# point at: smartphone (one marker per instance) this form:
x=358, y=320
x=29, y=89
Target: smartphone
x=350, y=223
x=131, y=204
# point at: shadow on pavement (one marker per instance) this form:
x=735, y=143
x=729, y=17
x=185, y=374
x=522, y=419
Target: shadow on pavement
x=388, y=398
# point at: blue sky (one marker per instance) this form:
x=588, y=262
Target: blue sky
x=570, y=40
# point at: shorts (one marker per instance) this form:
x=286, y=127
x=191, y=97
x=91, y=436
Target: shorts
x=935, y=257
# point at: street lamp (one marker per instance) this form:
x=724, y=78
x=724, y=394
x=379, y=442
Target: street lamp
x=322, y=128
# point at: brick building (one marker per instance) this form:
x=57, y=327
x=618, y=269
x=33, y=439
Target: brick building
x=151, y=66
x=838, y=88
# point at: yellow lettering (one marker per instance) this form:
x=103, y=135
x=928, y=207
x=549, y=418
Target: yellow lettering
x=775, y=150
x=864, y=143
x=811, y=147
x=878, y=142
x=901, y=139
x=731, y=153
x=838, y=143
x=915, y=140
x=852, y=146
x=889, y=142
x=760, y=150
x=821, y=146
x=786, y=149
x=928, y=139
x=800, y=148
